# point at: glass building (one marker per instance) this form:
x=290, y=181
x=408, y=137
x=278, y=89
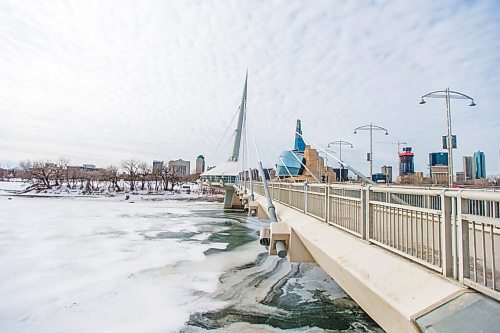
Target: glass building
x=291, y=161
x=438, y=159
x=478, y=165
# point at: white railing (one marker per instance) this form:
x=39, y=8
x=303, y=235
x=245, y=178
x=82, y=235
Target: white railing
x=453, y=232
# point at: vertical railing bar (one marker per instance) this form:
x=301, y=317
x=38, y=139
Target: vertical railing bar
x=427, y=236
x=454, y=227
x=384, y=223
x=405, y=216
x=410, y=215
x=393, y=224
x=474, y=247
x=389, y=226
x=433, y=239
x=422, y=247
x=380, y=219
x=483, y=252
x=396, y=225
x=492, y=238
x=327, y=202
x=389, y=229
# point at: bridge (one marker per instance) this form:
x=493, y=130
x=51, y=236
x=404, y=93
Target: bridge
x=415, y=259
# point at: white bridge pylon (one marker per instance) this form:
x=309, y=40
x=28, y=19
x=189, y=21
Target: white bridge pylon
x=225, y=175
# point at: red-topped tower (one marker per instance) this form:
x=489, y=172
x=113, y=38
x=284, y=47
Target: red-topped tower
x=406, y=165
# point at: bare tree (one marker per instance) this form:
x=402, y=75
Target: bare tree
x=60, y=171
x=131, y=167
x=143, y=171
x=169, y=176
x=40, y=172
x=156, y=173
x=494, y=180
x=112, y=174
x=172, y=177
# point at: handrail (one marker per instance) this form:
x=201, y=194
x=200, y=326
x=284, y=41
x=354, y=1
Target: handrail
x=440, y=228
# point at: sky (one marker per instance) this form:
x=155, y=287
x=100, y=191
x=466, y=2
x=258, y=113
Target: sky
x=103, y=81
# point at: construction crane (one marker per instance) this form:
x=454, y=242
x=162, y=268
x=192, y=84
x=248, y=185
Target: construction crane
x=398, y=143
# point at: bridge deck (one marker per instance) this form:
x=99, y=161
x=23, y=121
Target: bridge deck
x=392, y=289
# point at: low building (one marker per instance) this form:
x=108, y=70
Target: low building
x=460, y=177
x=387, y=172
x=439, y=174
x=379, y=178
x=157, y=167
x=416, y=178
x=181, y=167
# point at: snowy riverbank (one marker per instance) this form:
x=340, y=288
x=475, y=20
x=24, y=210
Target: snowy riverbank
x=195, y=193
x=105, y=264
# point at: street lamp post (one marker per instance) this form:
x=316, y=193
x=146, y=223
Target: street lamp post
x=326, y=163
x=448, y=95
x=371, y=128
x=340, y=143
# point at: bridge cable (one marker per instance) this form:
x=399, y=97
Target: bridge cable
x=287, y=170
x=252, y=197
x=366, y=179
x=225, y=132
x=270, y=207
x=305, y=166
x=359, y=174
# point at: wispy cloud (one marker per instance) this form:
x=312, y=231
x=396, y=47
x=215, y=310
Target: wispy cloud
x=105, y=80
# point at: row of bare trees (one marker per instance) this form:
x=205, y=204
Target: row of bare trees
x=132, y=175
x=45, y=173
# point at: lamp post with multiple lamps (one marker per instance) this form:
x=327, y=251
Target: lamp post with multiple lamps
x=448, y=95
x=326, y=163
x=371, y=128
x=340, y=143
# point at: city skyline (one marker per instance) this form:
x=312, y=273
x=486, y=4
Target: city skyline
x=101, y=82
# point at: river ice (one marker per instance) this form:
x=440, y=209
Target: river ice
x=82, y=265
x=111, y=265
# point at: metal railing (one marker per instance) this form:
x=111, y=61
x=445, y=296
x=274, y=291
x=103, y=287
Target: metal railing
x=453, y=232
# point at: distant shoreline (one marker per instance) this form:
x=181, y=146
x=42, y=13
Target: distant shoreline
x=144, y=197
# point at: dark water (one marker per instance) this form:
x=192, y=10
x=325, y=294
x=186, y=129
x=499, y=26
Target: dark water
x=297, y=296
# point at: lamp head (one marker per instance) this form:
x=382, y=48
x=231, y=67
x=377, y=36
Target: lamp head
x=386, y=133
x=355, y=132
x=472, y=103
x=422, y=101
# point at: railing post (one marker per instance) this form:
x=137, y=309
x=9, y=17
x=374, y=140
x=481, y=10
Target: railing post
x=305, y=198
x=289, y=195
x=363, y=215
x=463, y=242
x=327, y=202
x=445, y=225
x=368, y=220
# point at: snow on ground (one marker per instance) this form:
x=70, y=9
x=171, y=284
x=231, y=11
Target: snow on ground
x=12, y=186
x=16, y=186
x=94, y=265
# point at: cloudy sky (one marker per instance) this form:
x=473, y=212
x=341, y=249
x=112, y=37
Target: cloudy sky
x=102, y=81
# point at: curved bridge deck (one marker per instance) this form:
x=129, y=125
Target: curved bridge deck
x=400, y=253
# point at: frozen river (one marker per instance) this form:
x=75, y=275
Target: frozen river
x=110, y=265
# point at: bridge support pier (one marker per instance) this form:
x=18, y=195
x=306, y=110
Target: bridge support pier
x=232, y=200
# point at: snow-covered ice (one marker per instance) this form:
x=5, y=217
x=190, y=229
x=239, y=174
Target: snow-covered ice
x=88, y=265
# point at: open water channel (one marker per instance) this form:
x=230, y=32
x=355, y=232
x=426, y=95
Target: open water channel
x=110, y=265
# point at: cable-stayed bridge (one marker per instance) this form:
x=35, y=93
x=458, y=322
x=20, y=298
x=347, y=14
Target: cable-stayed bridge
x=415, y=259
